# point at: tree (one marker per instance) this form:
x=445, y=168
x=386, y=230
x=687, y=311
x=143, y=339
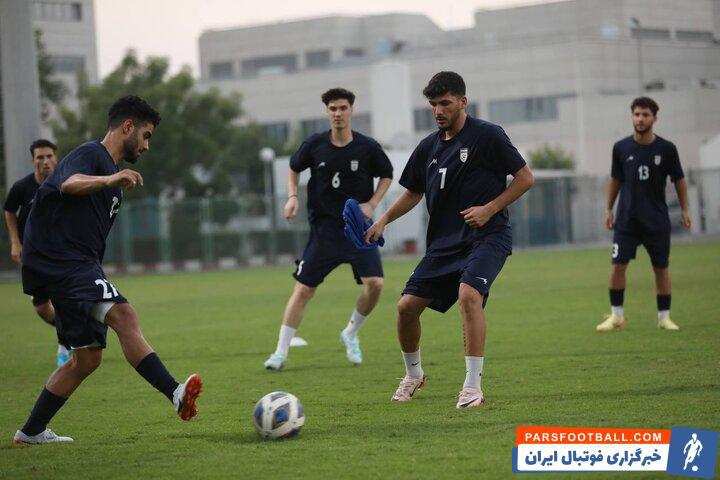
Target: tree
x=52, y=91
x=551, y=157
x=200, y=145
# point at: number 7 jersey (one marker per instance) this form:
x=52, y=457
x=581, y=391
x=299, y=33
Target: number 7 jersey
x=642, y=171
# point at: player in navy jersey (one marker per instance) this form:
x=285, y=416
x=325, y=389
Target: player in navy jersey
x=63, y=249
x=17, y=208
x=641, y=164
x=462, y=170
x=343, y=164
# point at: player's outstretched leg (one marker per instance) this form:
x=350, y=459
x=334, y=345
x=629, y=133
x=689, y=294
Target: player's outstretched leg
x=61, y=384
x=474, y=329
x=124, y=320
x=372, y=288
x=294, y=311
x=410, y=308
x=616, y=319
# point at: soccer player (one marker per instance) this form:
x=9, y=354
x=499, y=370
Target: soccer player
x=343, y=164
x=17, y=208
x=641, y=164
x=62, y=254
x=462, y=170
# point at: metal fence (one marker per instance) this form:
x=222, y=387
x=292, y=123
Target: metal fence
x=225, y=232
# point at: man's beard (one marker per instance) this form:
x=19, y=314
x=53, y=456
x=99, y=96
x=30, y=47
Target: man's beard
x=642, y=130
x=129, y=151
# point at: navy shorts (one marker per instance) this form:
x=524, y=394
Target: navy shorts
x=439, y=278
x=657, y=244
x=327, y=248
x=75, y=298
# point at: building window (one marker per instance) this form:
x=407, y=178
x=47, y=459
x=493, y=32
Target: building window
x=361, y=122
x=221, y=70
x=273, y=65
x=530, y=109
x=644, y=33
x=57, y=11
x=473, y=110
x=319, y=58
x=423, y=119
x=694, y=36
x=353, y=52
x=278, y=131
x=314, y=125
x=66, y=64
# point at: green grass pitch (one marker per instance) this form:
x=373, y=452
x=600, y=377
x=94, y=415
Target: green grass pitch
x=544, y=365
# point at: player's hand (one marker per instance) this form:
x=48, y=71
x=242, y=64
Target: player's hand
x=291, y=208
x=479, y=215
x=367, y=209
x=374, y=232
x=609, y=219
x=16, y=252
x=686, y=219
x=125, y=179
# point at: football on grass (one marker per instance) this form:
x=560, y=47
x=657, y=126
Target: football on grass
x=278, y=415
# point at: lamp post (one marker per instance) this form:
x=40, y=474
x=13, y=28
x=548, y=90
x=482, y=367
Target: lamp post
x=635, y=23
x=267, y=156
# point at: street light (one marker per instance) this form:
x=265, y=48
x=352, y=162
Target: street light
x=635, y=23
x=267, y=156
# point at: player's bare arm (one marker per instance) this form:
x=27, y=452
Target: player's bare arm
x=291, y=206
x=613, y=189
x=405, y=202
x=479, y=215
x=369, y=207
x=15, y=245
x=80, y=184
x=681, y=189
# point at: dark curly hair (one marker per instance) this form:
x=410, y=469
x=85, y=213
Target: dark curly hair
x=444, y=82
x=338, y=94
x=645, y=102
x=133, y=107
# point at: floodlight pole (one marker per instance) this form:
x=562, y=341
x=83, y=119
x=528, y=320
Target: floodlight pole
x=267, y=156
x=634, y=22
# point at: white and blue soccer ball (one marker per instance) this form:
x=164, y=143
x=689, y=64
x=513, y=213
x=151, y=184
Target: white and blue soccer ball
x=279, y=415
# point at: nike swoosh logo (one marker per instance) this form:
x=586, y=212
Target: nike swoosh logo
x=414, y=364
x=470, y=401
x=483, y=279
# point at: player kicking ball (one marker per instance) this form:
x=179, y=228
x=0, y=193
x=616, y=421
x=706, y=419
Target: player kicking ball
x=641, y=164
x=343, y=164
x=61, y=260
x=461, y=170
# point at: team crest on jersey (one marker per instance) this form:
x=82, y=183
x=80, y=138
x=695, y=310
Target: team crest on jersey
x=354, y=164
x=464, y=154
x=658, y=159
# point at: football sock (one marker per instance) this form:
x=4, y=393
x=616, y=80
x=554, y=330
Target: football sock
x=663, y=306
x=617, y=297
x=473, y=372
x=413, y=368
x=286, y=334
x=356, y=321
x=46, y=406
x=152, y=369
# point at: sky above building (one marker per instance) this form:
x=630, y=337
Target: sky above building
x=171, y=28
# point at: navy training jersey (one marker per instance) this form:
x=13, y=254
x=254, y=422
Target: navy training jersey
x=468, y=170
x=642, y=171
x=19, y=200
x=64, y=230
x=339, y=173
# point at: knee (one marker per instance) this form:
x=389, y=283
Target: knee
x=304, y=293
x=469, y=298
x=619, y=268
x=123, y=318
x=406, y=309
x=86, y=363
x=373, y=285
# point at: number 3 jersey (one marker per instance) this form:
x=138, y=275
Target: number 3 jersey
x=642, y=171
x=66, y=230
x=468, y=170
x=339, y=173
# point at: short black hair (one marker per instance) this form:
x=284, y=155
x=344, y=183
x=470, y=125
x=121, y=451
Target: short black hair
x=445, y=82
x=645, y=102
x=41, y=143
x=133, y=107
x=338, y=94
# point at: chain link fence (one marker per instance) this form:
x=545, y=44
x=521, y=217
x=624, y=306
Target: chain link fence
x=228, y=232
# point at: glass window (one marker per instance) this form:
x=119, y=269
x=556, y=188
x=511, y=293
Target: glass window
x=277, y=131
x=314, y=125
x=57, y=11
x=528, y=109
x=272, y=65
x=319, y=58
x=66, y=64
x=694, y=36
x=220, y=70
x=354, y=52
x=650, y=33
x=362, y=122
x=423, y=119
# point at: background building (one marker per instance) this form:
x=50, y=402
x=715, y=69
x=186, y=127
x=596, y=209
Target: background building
x=561, y=73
